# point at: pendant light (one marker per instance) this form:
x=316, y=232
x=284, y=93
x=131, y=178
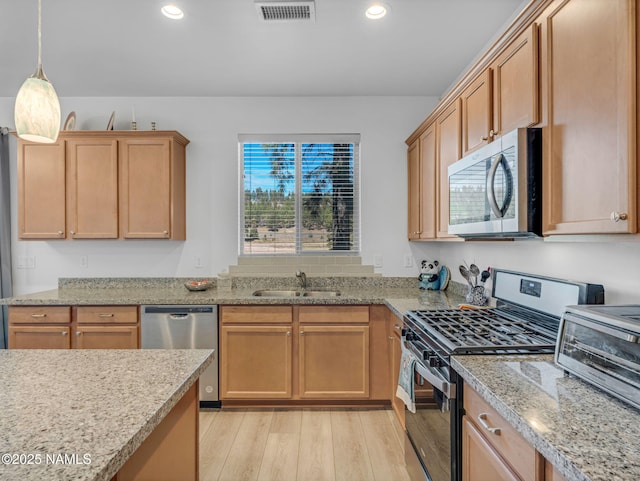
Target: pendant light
x=37, y=113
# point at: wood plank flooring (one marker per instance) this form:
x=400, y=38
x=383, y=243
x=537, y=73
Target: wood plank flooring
x=301, y=445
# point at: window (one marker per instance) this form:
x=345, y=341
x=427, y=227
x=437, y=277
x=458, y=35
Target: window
x=300, y=194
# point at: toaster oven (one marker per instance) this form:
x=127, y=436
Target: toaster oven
x=600, y=344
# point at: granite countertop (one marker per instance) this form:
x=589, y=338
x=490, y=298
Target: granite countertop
x=96, y=406
x=399, y=294
x=586, y=434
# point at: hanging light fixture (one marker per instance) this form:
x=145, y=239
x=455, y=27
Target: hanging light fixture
x=37, y=113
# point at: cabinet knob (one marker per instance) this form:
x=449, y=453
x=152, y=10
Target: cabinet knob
x=391, y=338
x=64, y=333
x=72, y=233
x=60, y=233
x=493, y=133
x=618, y=216
x=483, y=138
x=288, y=333
x=397, y=326
x=302, y=333
x=78, y=333
x=165, y=232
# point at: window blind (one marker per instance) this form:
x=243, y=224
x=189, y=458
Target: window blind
x=299, y=195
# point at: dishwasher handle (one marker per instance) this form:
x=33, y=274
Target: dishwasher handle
x=178, y=316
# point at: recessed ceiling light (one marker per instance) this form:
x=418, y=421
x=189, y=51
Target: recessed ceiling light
x=376, y=11
x=172, y=11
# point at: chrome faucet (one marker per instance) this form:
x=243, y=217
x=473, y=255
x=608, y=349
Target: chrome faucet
x=302, y=278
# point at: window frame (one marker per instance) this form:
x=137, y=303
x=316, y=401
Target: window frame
x=298, y=140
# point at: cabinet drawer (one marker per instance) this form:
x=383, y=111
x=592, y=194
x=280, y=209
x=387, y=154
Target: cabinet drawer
x=256, y=314
x=508, y=442
x=39, y=314
x=332, y=314
x=107, y=314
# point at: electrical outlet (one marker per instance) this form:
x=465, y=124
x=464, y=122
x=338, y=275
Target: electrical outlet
x=26, y=262
x=408, y=260
x=377, y=260
x=197, y=262
x=84, y=261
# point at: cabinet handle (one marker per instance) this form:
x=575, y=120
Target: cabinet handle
x=105, y=315
x=78, y=333
x=397, y=326
x=60, y=233
x=493, y=133
x=391, y=338
x=483, y=138
x=618, y=216
x=64, y=333
x=38, y=316
x=482, y=417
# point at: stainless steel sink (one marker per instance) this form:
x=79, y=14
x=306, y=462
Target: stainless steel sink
x=296, y=293
x=276, y=293
x=320, y=293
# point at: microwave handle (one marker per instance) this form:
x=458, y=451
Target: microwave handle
x=491, y=188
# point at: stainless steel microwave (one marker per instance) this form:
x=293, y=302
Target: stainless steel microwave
x=496, y=191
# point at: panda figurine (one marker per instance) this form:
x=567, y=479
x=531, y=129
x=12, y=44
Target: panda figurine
x=433, y=276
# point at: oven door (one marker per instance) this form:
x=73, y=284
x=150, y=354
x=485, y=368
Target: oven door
x=431, y=429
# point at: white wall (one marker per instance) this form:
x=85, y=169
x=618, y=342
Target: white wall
x=212, y=125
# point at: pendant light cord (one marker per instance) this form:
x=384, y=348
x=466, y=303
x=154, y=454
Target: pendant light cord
x=39, y=34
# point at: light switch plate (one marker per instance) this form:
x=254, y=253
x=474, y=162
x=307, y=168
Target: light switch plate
x=377, y=260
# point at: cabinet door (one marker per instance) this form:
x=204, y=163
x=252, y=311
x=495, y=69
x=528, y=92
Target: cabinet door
x=145, y=188
x=395, y=327
x=39, y=337
x=414, y=200
x=448, y=148
x=333, y=361
x=479, y=460
x=590, y=140
x=105, y=337
x=379, y=367
x=41, y=191
x=476, y=113
x=515, y=84
x=255, y=362
x=92, y=188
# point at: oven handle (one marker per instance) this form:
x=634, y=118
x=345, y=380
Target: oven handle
x=434, y=378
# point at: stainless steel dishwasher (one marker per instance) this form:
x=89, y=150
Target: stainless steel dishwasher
x=185, y=327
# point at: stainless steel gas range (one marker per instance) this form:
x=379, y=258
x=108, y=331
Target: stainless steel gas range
x=525, y=320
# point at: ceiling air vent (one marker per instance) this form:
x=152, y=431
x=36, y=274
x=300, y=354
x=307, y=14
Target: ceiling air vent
x=287, y=11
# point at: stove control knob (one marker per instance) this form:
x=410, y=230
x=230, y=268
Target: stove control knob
x=434, y=361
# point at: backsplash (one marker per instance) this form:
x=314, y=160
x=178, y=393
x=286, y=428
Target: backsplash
x=312, y=266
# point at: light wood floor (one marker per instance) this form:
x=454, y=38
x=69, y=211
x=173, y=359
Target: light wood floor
x=301, y=445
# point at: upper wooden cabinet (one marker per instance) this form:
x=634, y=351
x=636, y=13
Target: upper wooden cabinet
x=503, y=97
x=422, y=186
x=589, y=86
x=92, y=188
x=41, y=190
x=103, y=185
x=152, y=188
x=476, y=113
x=448, y=151
x=516, y=92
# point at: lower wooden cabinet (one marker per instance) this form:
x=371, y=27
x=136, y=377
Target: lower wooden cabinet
x=66, y=327
x=395, y=356
x=480, y=461
x=295, y=353
x=334, y=361
x=492, y=450
x=39, y=337
x=255, y=362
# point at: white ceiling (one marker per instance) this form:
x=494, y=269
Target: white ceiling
x=127, y=48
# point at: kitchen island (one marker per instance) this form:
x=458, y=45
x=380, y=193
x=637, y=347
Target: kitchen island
x=87, y=415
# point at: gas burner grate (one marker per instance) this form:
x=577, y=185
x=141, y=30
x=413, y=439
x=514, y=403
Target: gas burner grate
x=465, y=331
